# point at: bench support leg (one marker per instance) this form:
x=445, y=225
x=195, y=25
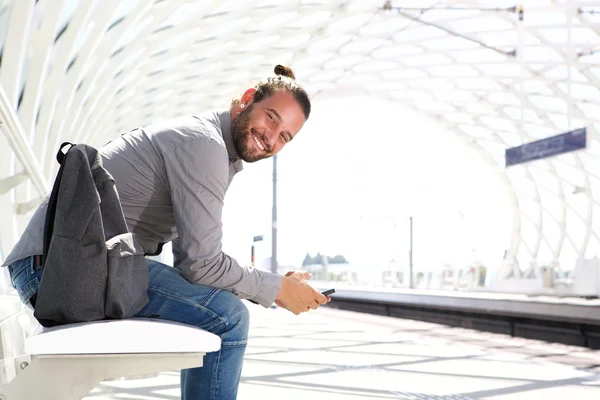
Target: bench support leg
x=67, y=377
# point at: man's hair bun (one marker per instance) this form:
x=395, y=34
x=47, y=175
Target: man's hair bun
x=285, y=71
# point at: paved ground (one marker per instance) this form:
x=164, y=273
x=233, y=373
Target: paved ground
x=332, y=354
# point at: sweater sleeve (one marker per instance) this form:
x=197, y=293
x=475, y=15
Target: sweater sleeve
x=198, y=174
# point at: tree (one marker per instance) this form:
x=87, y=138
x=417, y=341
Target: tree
x=318, y=260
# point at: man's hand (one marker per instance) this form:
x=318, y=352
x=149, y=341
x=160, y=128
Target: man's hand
x=298, y=296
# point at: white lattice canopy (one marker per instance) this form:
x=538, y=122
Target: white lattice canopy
x=494, y=73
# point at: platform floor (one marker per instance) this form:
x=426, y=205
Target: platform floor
x=333, y=354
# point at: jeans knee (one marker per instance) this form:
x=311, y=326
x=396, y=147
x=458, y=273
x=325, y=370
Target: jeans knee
x=238, y=321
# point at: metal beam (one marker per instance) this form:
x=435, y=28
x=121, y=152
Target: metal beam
x=12, y=128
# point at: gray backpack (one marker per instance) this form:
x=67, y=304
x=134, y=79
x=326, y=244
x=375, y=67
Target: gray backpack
x=93, y=267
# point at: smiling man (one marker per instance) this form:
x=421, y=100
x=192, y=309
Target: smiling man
x=171, y=178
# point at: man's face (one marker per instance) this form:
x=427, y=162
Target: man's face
x=262, y=129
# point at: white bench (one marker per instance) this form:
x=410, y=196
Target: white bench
x=67, y=362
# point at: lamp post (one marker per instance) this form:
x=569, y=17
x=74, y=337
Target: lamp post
x=254, y=240
x=410, y=255
x=274, y=222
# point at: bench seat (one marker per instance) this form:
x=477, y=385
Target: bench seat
x=67, y=362
x=136, y=335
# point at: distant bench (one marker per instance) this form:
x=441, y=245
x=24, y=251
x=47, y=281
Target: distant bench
x=67, y=362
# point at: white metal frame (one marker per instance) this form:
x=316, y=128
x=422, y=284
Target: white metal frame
x=81, y=103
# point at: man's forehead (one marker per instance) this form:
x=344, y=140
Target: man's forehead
x=282, y=102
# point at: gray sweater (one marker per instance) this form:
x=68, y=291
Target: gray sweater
x=171, y=178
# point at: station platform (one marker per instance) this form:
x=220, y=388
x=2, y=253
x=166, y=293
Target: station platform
x=542, y=306
x=568, y=320
x=336, y=354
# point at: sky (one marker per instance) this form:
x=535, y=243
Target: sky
x=350, y=180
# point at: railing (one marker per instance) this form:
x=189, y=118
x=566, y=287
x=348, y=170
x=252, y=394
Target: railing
x=12, y=128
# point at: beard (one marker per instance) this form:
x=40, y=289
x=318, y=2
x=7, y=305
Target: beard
x=242, y=137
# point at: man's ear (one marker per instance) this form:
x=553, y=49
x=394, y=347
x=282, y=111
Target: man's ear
x=248, y=96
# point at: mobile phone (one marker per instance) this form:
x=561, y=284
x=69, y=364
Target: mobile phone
x=328, y=292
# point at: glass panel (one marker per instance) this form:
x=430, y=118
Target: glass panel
x=579, y=35
x=507, y=99
x=331, y=43
x=551, y=228
x=456, y=96
x=432, y=83
x=358, y=80
x=386, y=86
x=426, y=59
x=275, y=22
x=538, y=131
x=403, y=73
x=542, y=54
x=529, y=115
x=374, y=66
x=481, y=24
x=529, y=236
x=418, y=34
x=562, y=122
x=225, y=27
x=410, y=95
x=478, y=84
x=429, y=105
x=523, y=256
x=5, y=12
x=480, y=108
x=362, y=46
x=594, y=187
x=475, y=56
x=477, y=131
x=575, y=227
x=500, y=69
x=257, y=44
x=576, y=201
x=315, y=60
x=549, y=187
x=500, y=124
x=349, y=24
x=449, y=43
x=453, y=71
x=397, y=50
x=591, y=110
x=327, y=76
x=300, y=40
x=545, y=254
x=561, y=74
x=568, y=256
x=526, y=203
x=593, y=248
x=545, y=18
x=593, y=148
x=124, y=8
x=492, y=147
x=549, y=103
x=316, y=18
x=571, y=174
x=459, y=118
x=383, y=26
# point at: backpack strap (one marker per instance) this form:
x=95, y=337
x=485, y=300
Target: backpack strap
x=51, y=211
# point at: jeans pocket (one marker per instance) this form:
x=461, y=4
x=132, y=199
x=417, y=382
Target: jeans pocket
x=24, y=279
x=128, y=277
x=28, y=290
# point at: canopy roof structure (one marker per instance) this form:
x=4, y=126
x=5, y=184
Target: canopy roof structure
x=495, y=73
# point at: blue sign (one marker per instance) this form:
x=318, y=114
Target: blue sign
x=559, y=144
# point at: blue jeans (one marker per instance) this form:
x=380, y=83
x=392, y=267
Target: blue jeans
x=172, y=297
